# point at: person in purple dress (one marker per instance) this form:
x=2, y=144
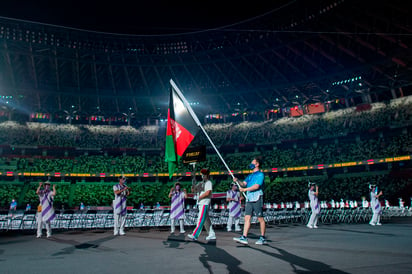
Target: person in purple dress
x=177, y=208
x=45, y=210
x=233, y=199
x=121, y=191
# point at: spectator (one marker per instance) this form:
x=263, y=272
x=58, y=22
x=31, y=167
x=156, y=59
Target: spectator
x=13, y=205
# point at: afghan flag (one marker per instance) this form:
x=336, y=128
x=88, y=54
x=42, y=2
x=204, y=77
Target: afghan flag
x=181, y=130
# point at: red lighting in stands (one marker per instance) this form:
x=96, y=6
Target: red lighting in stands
x=102, y=174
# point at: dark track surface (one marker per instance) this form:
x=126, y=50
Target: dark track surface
x=340, y=248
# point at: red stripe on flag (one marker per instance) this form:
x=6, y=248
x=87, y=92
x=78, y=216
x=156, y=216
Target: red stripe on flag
x=183, y=138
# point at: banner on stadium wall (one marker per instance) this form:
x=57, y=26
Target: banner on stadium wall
x=363, y=107
x=296, y=111
x=315, y=108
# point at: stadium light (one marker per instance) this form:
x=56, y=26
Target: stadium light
x=347, y=81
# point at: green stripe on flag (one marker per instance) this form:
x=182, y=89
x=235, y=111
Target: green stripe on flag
x=170, y=155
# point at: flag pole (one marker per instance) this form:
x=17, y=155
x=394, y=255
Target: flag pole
x=194, y=116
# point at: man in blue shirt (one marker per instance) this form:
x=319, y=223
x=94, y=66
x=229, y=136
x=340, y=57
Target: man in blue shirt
x=13, y=205
x=253, y=186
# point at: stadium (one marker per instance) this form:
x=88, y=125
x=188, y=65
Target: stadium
x=323, y=92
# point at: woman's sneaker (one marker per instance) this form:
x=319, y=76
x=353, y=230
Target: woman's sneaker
x=211, y=237
x=242, y=239
x=261, y=241
x=191, y=237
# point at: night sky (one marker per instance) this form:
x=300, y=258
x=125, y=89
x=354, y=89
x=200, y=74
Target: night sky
x=138, y=17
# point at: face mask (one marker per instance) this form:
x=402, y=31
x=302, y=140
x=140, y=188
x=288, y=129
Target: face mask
x=252, y=166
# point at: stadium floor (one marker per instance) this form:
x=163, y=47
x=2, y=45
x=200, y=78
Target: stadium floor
x=337, y=248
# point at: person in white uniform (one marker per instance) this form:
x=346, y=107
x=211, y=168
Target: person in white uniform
x=121, y=191
x=375, y=205
x=233, y=198
x=314, y=205
x=204, y=190
x=177, y=208
x=45, y=210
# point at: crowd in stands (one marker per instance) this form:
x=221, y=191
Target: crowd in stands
x=278, y=157
x=332, y=137
x=338, y=123
x=85, y=136
x=283, y=135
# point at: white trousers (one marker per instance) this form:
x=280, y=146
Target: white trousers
x=119, y=222
x=376, y=218
x=172, y=225
x=230, y=222
x=313, y=219
x=40, y=224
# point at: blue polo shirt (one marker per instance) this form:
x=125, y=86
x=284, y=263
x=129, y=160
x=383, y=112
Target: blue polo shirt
x=251, y=180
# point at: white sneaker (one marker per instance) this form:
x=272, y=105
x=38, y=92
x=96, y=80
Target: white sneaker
x=48, y=235
x=122, y=233
x=372, y=224
x=309, y=226
x=115, y=233
x=238, y=229
x=229, y=229
x=171, y=232
x=378, y=224
x=315, y=226
x=191, y=237
x=182, y=231
x=210, y=237
x=38, y=236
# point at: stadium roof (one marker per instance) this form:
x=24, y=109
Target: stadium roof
x=156, y=17
x=284, y=54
